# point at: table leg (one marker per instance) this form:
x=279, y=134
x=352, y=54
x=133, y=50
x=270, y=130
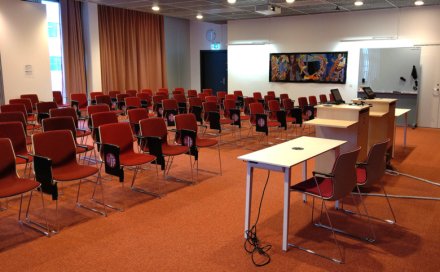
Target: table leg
x=287, y=174
x=304, y=177
x=247, y=217
x=404, y=130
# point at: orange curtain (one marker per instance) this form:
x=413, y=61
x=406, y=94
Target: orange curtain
x=132, y=49
x=73, y=47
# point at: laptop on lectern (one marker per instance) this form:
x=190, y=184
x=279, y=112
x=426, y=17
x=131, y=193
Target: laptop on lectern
x=369, y=92
x=337, y=95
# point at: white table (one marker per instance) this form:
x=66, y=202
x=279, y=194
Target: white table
x=399, y=112
x=281, y=158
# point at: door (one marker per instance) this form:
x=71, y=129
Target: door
x=429, y=96
x=214, y=70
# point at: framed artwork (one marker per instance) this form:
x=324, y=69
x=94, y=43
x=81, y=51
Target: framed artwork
x=321, y=67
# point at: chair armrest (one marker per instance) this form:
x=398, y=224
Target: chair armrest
x=23, y=157
x=328, y=175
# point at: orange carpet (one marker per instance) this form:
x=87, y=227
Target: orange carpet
x=200, y=227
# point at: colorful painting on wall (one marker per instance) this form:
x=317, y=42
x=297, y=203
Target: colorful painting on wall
x=324, y=67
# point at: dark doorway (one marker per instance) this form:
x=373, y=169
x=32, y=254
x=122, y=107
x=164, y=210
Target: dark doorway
x=214, y=70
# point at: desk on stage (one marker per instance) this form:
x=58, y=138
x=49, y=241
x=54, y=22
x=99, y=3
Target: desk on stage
x=281, y=158
x=341, y=122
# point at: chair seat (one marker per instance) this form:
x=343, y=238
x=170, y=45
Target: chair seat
x=290, y=119
x=80, y=149
x=132, y=158
x=206, y=142
x=174, y=150
x=273, y=124
x=361, y=174
x=309, y=186
x=32, y=126
x=225, y=121
x=11, y=186
x=73, y=171
x=245, y=117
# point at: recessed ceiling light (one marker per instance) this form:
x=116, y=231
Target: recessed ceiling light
x=232, y=1
x=290, y=1
x=155, y=7
x=358, y=3
x=199, y=16
x=419, y=3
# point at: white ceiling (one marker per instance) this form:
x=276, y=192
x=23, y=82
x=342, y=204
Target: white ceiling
x=220, y=11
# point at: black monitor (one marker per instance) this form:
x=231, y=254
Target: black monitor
x=337, y=96
x=369, y=92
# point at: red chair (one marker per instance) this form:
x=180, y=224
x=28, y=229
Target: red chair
x=179, y=90
x=95, y=109
x=156, y=127
x=43, y=109
x=164, y=94
x=202, y=96
x=332, y=98
x=196, y=107
x=164, y=90
x=19, y=108
x=79, y=101
x=33, y=97
x=14, y=117
x=213, y=117
x=121, y=136
x=274, y=108
x=104, y=99
x=131, y=93
x=16, y=133
x=247, y=102
x=230, y=97
x=322, y=98
x=181, y=101
x=132, y=102
x=192, y=93
x=136, y=115
x=333, y=186
x=145, y=99
x=80, y=132
x=271, y=93
x=93, y=96
x=58, y=148
x=189, y=122
x=12, y=185
x=147, y=91
x=207, y=92
x=99, y=119
x=211, y=98
x=157, y=104
x=28, y=104
x=313, y=101
x=260, y=121
x=170, y=110
x=258, y=97
x=120, y=99
x=283, y=96
x=58, y=98
x=113, y=95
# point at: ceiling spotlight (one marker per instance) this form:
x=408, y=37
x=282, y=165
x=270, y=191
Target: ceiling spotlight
x=155, y=7
x=419, y=3
x=290, y=1
x=199, y=16
x=358, y=3
x=232, y=1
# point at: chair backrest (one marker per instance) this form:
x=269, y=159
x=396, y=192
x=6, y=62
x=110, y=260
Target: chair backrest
x=195, y=101
x=13, y=117
x=157, y=99
x=344, y=174
x=230, y=97
x=132, y=102
x=256, y=108
x=144, y=96
x=147, y=91
x=104, y=99
x=221, y=94
x=180, y=98
x=247, y=102
x=102, y=118
x=60, y=123
x=376, y=162
x=58, y=145
x=288, y=104
x=209, y=106
x=135, y=115
x=170, y=104
x=7, y=160
x=25, y=101
x=97, y=108
x=313, y=101
x=154, y=127
x=322, y=98
x=81, y=98
x=131, y=92
x=113, y=94
x=186, y=121
x=284, y=96
x=121, y=97
x=302, y=102
x=257, y=96
x=332, y=98
x=192, y=93
x=16, y=133
x=45, y=107
x=163, y=94
x=211, y=98
x=65, y=112
x=274, y=105
x=268, y=98
x=202, y=96
x=228, y=104
x=238, y=93
x=57, y=97
x=271, y=93
x=93, y=95
x=163, y=90
x=179, y=90
x=14, y=108
x=33, y=97
x=119, y=134
x=207, y=92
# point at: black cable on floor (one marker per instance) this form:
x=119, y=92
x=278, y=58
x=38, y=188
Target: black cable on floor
x=252, y=243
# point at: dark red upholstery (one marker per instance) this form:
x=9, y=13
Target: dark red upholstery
x=192, y=93
x=93, y=95
x=131, y=93
x=113, y=94
x=257, y=96
x=170, y=104
x=27, y=103
x=58, y=98
x=211, y=98
x=82, y=100
x=97, y=108
x=207, y=92
x=147, y=91
x=71, y=113
x=33, y=97
x=322, y=98
x=257, y=108
x=16, y=133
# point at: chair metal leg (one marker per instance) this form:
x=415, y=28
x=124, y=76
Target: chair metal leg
x=342, y=257
x=44, y=229
x=139, y=190
x=81, y=205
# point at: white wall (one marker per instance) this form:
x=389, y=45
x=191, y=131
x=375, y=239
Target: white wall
x=24, y=41
x=249, y=64
x=199, y=42
x=177, y=46
x=91, y=45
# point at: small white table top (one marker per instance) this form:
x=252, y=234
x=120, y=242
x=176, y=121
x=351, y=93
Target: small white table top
x=377, y=113
x=286, y=154
x=400, y=112
x=342, y=107
x=330, y=123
